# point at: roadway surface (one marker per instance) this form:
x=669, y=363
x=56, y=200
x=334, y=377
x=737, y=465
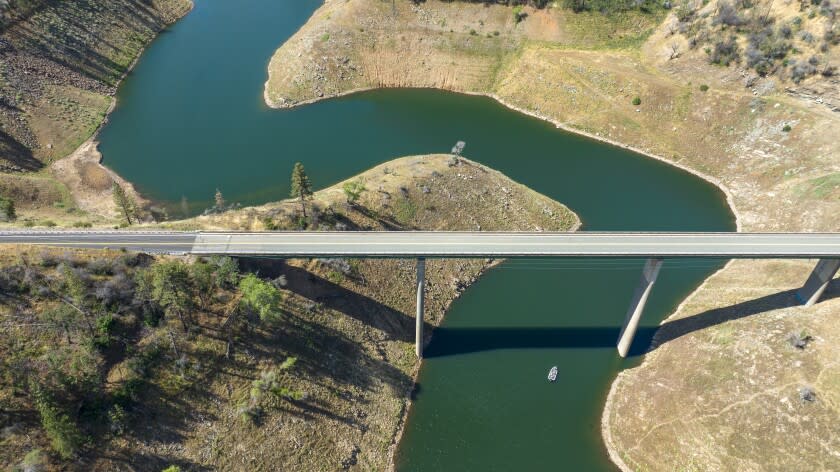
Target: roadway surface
x=446, y=244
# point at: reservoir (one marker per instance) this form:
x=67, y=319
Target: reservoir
x=191, y=119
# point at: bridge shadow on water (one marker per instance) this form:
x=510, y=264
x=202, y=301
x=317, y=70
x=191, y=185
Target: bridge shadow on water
x=451, y=341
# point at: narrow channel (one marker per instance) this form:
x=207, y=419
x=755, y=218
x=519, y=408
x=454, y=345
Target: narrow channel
x=191, y=119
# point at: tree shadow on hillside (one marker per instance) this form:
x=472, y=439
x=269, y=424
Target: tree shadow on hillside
x=140, y=461
x=71, y=43
x=394, y=323
x=672, y=330
x=325, y=353
x=17, y=154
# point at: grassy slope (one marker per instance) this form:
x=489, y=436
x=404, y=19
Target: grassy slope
x=552, y=66
x=58, y=74
x=352, y=331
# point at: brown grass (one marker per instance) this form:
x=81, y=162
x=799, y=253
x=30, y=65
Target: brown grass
x=94, y=176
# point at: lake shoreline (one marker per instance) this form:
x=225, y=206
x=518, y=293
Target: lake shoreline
x=557, y=123
x=612, y=451
x=67, y=169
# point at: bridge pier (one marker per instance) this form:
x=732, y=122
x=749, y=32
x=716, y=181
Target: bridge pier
x=637, y=305
x=818, y=281
x=418, y=319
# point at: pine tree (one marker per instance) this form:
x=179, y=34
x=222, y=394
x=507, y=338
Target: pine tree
x=125, y=203
x=220, y=201
x=301, y=186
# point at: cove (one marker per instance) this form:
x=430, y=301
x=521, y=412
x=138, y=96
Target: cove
x=190, y=119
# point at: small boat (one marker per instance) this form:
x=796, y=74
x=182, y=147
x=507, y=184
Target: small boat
x=552, y=374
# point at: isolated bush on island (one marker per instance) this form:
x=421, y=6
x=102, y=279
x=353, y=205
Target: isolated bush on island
x=353, y=190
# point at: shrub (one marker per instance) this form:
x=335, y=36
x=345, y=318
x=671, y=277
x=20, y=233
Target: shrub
x=227, y=271
x=49, y=259
x=727, y=14
x=117, y=290
x=104, y=324
x=338, y=264
x=786, y=128
x=404, y=210
x=806, y=36
x=800, y=70
x=251, y=413
x=800, y=340
x=353, y=190
x=63, y=433
x=518, y=14
x=785, y=31
x=637, y=101
x=117, y=419
x=765, y=47
x=269, y=223
x=101, y=267
x=704, y=88
x=685, y=11
x=34, y=461
x=7, y=209
x=725, y=52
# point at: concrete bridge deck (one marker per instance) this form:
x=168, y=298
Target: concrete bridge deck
x=412, y=244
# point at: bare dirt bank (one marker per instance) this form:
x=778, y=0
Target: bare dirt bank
x=729, y=134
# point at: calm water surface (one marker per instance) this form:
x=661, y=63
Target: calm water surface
x=191, y=119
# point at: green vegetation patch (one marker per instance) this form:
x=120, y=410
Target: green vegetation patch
x=826, y=187
x=618, y=30
x=404, y=210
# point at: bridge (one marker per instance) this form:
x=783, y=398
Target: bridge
x=421, y=245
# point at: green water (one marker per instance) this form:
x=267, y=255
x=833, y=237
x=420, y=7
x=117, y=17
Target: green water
x=191, y=119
